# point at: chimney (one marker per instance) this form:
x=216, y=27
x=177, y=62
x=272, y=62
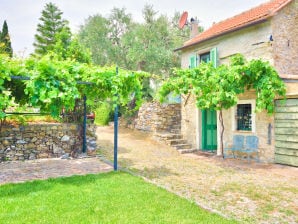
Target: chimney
x=194, y=27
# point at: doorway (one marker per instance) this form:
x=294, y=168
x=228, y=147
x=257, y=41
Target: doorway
x=209, y=130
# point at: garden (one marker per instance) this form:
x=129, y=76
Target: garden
x=62, y=78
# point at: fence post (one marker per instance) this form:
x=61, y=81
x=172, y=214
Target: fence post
x=116, y=133
x=84, y=126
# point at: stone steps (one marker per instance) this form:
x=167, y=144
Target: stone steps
x=172, y=142
x=185, y=151
x=182, y=146
x=175, y=140
x=167, y=136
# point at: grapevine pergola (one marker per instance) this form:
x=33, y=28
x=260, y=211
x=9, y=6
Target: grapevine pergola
x=53, y=85
x=217, y=88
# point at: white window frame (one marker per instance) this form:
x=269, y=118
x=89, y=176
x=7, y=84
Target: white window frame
x=253, y=115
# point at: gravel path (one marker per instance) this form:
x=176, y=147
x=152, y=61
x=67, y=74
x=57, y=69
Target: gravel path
x=20, y=171
x=247, y=191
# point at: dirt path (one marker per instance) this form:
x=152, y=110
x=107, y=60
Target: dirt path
x=249, y=192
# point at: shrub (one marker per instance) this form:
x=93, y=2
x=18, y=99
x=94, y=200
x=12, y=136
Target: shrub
x=102, y=114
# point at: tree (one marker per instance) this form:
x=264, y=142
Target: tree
x=217, y=87
x=119, y=24
x=78, y=52
x=68, y=46
x=144, y=46
x=94, y=35
x=5, y=41
x=51, y=24
x=151, y=44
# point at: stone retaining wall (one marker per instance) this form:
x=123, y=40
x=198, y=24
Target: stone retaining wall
x=35, y=141
x=156, y=117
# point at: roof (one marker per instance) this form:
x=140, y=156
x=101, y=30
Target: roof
x=250, y=17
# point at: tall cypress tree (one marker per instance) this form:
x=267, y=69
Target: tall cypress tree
x=5, y=41
x=51, y=23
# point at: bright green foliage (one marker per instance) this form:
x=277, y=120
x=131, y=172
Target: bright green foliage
x=69, y=47
x=78, y=52
x=5, y=42
x=15, y=67
x=8, y=67
x=4, y=76
x=102, y=114
x=121, y=87
x=63, y=39
x=51, y=25
x=217, y=88
x=53, y=83
x=262, y=77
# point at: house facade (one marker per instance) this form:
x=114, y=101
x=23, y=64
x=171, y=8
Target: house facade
x=268, y=32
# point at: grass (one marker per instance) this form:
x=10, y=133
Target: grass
x=114, y=197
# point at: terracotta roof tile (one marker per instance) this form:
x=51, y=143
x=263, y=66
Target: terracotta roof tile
x=244, y=19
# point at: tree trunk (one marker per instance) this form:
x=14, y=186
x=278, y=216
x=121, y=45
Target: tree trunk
x=222, y=129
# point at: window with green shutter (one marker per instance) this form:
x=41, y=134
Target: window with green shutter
x=214, y=57
x=193, y=61
x=210, y=56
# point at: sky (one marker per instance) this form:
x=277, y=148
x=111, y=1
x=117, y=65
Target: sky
x=22, y=16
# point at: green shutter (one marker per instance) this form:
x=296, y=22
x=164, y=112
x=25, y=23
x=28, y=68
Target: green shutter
x=193, y=61
x=214, y=57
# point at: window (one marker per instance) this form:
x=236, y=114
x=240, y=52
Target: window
x=244, y=116
x=205, y=57
x=210, y=56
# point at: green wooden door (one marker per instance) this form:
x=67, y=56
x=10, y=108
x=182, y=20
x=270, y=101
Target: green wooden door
x=209, y=130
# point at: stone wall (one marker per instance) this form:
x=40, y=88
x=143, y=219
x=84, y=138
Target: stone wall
x=189, y=122
x=35, y=141
x=156, y=117
x=285, y=39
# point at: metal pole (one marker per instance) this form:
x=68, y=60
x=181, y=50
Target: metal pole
x=116, y=134
x=84, y=126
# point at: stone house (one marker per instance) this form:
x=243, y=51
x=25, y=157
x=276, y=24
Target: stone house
x=270, y=32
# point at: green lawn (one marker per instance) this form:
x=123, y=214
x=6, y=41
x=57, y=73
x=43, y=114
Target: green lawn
x=114, y=197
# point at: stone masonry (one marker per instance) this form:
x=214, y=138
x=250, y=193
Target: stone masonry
x=35, y=141
x=156, y=117
x=285, y=40
x=164, y=121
